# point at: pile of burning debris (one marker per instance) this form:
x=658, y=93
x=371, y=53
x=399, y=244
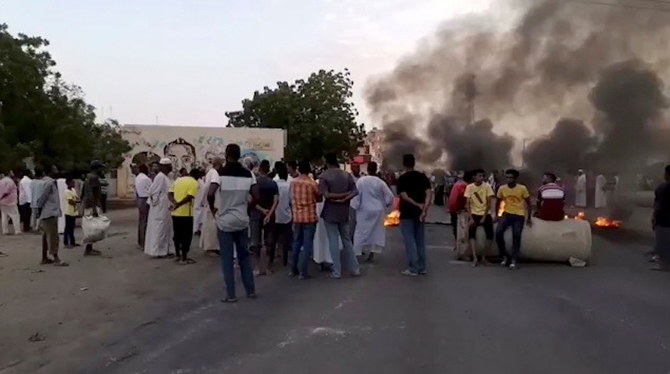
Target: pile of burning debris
x=393, y=218
x=599, y=221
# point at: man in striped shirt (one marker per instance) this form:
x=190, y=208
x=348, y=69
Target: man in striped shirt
x=304, y=196
x=231, y=213
x=550, y=199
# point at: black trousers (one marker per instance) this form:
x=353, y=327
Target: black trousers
x=283, y=237
x=103, y=203
x=68, y=233
x=183, y=235
x=25, y=213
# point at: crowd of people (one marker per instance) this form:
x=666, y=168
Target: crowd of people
x=245, y=213
x=48, y=201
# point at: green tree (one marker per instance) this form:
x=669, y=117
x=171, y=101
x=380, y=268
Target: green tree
x=317, y=114
x=45, y=118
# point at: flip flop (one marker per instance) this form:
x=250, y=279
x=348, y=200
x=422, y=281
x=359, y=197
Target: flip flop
x=48, y=261
x=190, y=261
x=61, y=263
x=229, y=300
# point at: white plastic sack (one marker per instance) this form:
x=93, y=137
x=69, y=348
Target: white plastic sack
x=94, y=228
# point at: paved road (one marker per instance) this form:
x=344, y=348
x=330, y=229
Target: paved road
x=609, y=318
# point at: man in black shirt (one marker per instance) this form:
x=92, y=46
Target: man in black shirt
x=415, y=194
x=262, y=220
x=660, y=222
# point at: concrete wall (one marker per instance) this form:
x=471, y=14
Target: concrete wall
x=190, y=147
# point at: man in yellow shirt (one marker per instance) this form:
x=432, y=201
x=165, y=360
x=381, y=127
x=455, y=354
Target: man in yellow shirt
x=514, y=196
x=479, y=195
x=182, y=196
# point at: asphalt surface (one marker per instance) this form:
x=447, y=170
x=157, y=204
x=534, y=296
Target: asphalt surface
x=612, y=317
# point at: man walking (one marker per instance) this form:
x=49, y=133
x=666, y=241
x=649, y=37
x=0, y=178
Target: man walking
x=514, y=196
x=92, y=198
x=459, y=214
x=660, y=223
x=25, y=198
x=304, y=196
x=182, y=197
x=36, y=188
x=142, y=185
x=48, y=204
x=159, y=229
x=415, y=196
x=338, y=188
x=479, y=195
x=233, y=188
x=262, y=220
x=374, y=201
x=9, y=195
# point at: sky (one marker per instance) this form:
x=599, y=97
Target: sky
x=183, y=62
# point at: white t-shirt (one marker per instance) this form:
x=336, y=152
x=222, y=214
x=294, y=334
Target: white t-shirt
x=283, y=214
x=142, y=185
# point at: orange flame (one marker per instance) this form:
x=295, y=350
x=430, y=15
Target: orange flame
x=393, y=218
x=606, y=222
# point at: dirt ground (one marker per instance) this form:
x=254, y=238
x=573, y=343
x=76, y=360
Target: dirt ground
x=54, y=316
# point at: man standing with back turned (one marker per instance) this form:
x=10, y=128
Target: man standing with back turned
x=338, y=188
x=514, y=196
x=233, y=187
x=93, y=198
x=415, y=194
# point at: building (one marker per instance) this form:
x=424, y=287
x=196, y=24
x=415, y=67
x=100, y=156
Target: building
x=374, y=143
x=190, y=147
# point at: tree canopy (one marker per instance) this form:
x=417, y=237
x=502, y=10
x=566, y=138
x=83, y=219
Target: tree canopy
x=317, y=114
x=45, y=118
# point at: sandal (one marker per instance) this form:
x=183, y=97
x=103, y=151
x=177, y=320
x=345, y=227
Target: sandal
x=229, y=300
x=3, y=254
x=190, y=261
x=47, y=261
x=60, y=263
x=92, y=252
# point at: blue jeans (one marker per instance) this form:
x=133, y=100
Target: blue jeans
x=303, y=247
x=228, y=241
x=413, y=231
x=337, y=231
x=506, y=221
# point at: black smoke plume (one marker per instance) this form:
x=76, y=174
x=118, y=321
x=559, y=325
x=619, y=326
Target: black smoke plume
x=597, y=65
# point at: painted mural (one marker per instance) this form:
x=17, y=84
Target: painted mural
x=190, y=147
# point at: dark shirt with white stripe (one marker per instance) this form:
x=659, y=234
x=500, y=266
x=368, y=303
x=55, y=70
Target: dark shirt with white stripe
x=235, y=183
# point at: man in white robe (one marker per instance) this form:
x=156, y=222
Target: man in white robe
x=198, y=205
x=601, y=191
x=62, y=187
x=373, y=202
x=209, y=241
x=159, y=226
x=580, y=190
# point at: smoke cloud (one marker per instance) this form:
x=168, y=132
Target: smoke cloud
x=577, y=83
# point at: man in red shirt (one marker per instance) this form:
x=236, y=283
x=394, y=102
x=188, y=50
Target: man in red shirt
x=457, y=199
x=550, y=199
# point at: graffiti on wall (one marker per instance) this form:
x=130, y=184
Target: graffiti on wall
x=196, y=147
